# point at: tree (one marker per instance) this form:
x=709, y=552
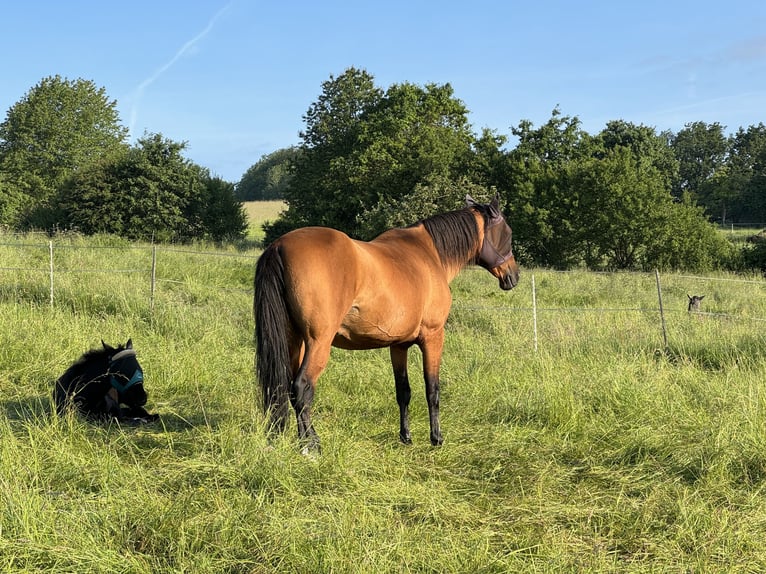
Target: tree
x=437, y=194
x=59, y=127
x=623, y=204
x=602, y=201
x=746, y=174
x=318, y=191
x=701, y=150
x=413, y=136
x=363, y=147
x=221, y=215
x=683, y=238
x=268, y=178
x=542, y=202
x=151, y=192
x=10, y=203
x=644, y=143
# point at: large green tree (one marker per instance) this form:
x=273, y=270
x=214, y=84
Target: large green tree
x=363, y=147
x=219, y=213
x=629, y=220
x=746, y=174
x=321, y=185
x=57, y=128
x=618, y=198
x=413, y=136
x=10, y=203
x=603, y=201
x=645, y=144
x=701, y=150
x=542, y=205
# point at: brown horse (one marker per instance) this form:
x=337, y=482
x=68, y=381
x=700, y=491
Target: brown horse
x=316, y=288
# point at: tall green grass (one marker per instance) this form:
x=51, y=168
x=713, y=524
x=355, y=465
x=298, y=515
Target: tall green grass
x=603, y=451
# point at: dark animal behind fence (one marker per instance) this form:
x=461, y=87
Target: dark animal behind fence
x=695, y=303
x=100, y=382
x=316, y=288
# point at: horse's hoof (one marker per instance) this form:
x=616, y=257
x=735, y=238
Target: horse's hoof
x=311, y=449
x=405, y=439
x=311, y=453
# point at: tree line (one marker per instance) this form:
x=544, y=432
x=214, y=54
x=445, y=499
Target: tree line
x=371, y=158
x=627, y=197
x=65, y=164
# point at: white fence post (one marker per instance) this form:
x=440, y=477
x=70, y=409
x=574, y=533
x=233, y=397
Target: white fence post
x=50, y=257
x=662, y=311
x=534, y=310
x=154, y=278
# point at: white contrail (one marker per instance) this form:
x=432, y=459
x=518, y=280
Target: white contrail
x=138, y=92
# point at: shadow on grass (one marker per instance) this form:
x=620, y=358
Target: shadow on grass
x=31, y=409
x=40, y=408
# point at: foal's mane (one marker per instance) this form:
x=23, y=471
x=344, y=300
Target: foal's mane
x=91, y=358
x=78, y=367
x=455, y=235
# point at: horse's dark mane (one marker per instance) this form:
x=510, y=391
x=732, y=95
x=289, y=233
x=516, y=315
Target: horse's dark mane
x=455, y=235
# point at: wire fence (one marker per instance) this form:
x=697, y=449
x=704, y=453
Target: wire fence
x=563, y=306
x=153, y=266
x=53, y=262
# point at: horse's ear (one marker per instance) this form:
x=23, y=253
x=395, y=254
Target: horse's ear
x=129, y=344
x=689, y=296
x=494, y=205
x=702, y=297
x=107, y=347
x=469, y=201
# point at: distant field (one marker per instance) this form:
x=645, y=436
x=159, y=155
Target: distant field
x=739, y=235
x=259, y=212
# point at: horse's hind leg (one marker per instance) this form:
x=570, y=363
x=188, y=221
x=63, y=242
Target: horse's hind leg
x=403, y=391
x=315, y=358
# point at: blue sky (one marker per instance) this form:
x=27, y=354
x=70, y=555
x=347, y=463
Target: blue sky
x=234, y=78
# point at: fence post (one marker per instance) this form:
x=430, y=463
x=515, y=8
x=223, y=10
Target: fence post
x=154, y=278
x=662, y=310
x=534, y=310
x=50, y=258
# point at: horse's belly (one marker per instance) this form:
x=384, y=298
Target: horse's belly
x=359, y=330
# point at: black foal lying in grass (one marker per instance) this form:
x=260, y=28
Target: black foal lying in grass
x=105, y=384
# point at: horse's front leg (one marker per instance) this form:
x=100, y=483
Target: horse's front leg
x=403, y=392
x=432, y=347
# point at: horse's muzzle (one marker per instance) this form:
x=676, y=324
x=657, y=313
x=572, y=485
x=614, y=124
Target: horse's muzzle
x=509, y=279
x=507, y=282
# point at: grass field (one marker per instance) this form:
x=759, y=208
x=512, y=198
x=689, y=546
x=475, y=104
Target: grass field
x=259, y=212
x=602, y=452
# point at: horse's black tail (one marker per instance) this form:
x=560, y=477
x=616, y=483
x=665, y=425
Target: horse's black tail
x=272, y=357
